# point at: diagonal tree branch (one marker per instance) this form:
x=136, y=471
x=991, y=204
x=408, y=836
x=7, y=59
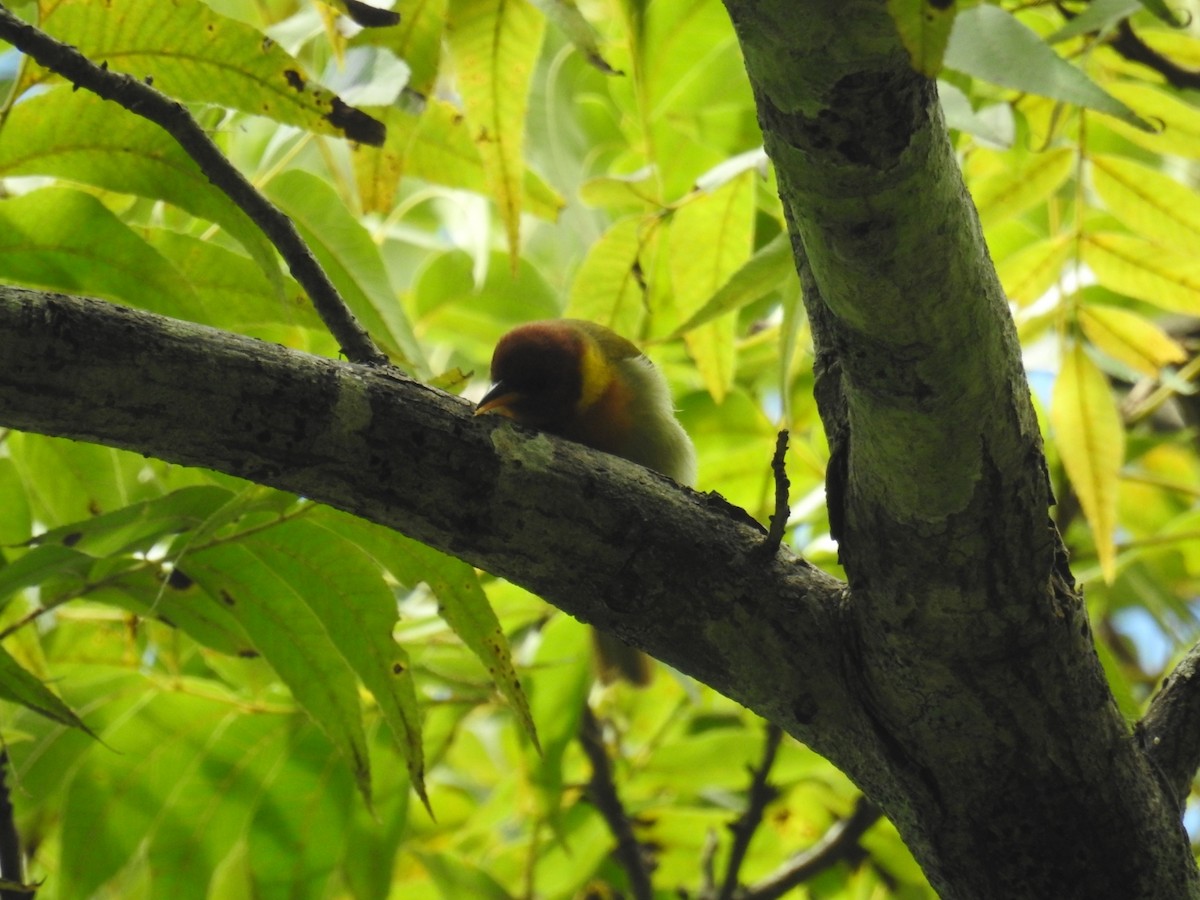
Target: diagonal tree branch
x=583, y=529
x=173, y=117
x=1170, y=730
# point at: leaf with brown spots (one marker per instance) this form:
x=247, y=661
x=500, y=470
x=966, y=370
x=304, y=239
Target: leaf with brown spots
x=193, y=53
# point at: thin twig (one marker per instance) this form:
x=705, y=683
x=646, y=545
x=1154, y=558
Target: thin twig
x=170, y=115
x=782, y=487
x=837, y=844
x=708, y=869
x=602, y=791
x=758, y=796
x=1170, y=730
x=12, y=866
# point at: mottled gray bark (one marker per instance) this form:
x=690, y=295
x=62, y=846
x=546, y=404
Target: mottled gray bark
x=1010, y=771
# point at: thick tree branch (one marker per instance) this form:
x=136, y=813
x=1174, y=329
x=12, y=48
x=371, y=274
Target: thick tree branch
x=173, y=117
x=969, y=638
x=1170, y=730
x=676, y=573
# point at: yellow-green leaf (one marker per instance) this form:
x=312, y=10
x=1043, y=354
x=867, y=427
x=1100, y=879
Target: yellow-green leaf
x=353, y=261
x=1180, y=47
x=1136, y=267
x=462, y=603
x=770, y=267
x=465, y=608
x=925, y=30
x=1091, y=443
x=417, y=40
x=436, y=146
x=1151, y=203
x=495, y=45
x=193, y=53
x=1031, y=271
x=1014, y=189
x=609, y=287
x=1178, y=122
x=1130, y=338
x=577, y=29
x=711, y=238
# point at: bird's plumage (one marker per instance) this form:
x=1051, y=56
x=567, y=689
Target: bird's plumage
x=588, y=384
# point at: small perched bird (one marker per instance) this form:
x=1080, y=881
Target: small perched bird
x=588, y=384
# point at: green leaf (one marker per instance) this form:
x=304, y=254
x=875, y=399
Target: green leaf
x=1164, y=12
x=273, y=588
x=178, y=602
x=710, y=239
x=993, y=123
x=924, y=28
x=578, y=30
x=462, y=603
x=69, y=481
x=1091, y=442
x=289, y=857
x=352, y=260
x=991, y=44
x=193, y=53
x=76, y=136
x=16, y=519
x=360, y=617
x=140, y=525
x=18, y=686
x=192, y=783
x=39, y=565
x=495, y=45
x=457, y=877
x=465, y=608
x=1098, y=15
x=68, y=241
x=235, y=294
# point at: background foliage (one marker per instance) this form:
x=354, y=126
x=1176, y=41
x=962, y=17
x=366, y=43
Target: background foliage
x=260, y=731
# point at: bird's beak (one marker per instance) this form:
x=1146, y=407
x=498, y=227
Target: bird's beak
x=499, y=399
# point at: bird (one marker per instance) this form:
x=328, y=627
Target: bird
x=586, y=383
